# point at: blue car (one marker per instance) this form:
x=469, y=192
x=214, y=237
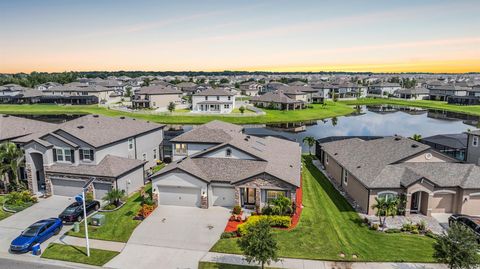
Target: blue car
x=36, y=233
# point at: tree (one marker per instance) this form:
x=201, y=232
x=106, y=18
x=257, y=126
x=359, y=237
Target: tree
x=258, y=244
x=385, y=207
x=171, y=107
x=417, y=137
x=310, y=142
x=458, y=248
x=242, y=109
x=146, y=82
x=128, y=92
x=335, y=97
x=11, y=158
x=114, y=196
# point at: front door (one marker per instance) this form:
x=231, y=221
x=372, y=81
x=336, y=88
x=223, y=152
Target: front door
x=415, y=202
x=248, y=196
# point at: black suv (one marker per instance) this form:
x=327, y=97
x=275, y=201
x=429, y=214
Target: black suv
x=469, y=221
x=74, y=212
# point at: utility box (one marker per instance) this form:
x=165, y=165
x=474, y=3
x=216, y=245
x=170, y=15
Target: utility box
x=76, y=227
x=98, y=220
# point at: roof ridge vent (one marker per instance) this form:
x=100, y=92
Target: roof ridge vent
x=414, y=146
x=80, y=127
x=397, y=138
x=95, y=116
x=122, y=117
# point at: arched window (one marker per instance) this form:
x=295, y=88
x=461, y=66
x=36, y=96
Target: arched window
x=228, y=153
x=387, y=195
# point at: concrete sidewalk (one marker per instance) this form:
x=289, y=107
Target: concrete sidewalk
x=94, y=243
x=314, y=264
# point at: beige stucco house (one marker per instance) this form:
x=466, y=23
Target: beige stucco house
x=156, y=97
x=396, y=166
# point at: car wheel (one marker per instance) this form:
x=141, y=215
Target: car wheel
x=97, y=207
x=79, y=218
x=57, y=231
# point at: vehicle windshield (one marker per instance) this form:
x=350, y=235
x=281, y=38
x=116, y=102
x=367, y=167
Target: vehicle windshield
x=32, y=231
x=71, y=208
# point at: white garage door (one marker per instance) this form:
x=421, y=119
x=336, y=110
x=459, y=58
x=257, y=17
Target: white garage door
x=223, y=196
x=101, y=189
x=180, y=196
x=64, y=187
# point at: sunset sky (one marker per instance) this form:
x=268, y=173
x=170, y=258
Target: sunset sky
x=377, y=36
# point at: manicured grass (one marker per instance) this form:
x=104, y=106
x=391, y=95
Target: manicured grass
x=272, y=116
x=3, y=214
x=68, y=253
x=471, y=110
x=158, y=168
x=329, y=226
x=212, y=265
x=119, y=225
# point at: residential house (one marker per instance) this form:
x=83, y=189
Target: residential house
x=47, y=85
x=251, y=88
x=156, y=97
x=213, y=101
x=418, y=93
x=472, y=97
x=453, y=145
x=215, y=164
x=16, y=94
x=348, y=90
x=187, y=87
x=85, y=94
x=429, y=181
x=272, y=86
x=473, y=147
x=113, y=150
x=444, y=92
x=277, y=100
x=383, y=89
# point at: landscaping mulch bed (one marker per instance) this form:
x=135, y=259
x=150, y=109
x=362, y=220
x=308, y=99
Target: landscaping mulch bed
x=298, y=209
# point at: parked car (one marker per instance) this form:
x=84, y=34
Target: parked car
x=36, y=233
x=469, y=221
x=74, y=212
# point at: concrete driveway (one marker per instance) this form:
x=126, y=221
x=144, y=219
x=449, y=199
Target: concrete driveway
x=12, y=226
x=173, y=237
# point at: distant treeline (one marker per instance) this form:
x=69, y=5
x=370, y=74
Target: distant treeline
x=36, y=78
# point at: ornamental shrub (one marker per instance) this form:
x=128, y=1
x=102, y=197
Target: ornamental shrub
x=274, y=221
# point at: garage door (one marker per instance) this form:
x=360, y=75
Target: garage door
x=223, y=196
x=67, y=187
x=101, y=189
x=180, y=196
x=442, y=203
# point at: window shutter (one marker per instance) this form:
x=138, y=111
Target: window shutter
x=54, y=154
x=91, y=155
x=81, y=154
x=72, y=152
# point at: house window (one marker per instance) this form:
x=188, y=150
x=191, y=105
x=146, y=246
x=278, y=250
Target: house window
x=387, y=195
x=206, y=97
x=130, y=143
x=63, y=155
x=218, y=98
x=154, y=154
x=144, y=156
x=86, y=155
x=345, y=177
x=326, y=158
x=229, y=98
x=272, y=195
x=475, y=141
x=228, y=153
x=227, y=106
x=181, y=149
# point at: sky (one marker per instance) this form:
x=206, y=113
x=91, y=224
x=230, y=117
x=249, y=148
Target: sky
x=110, y=35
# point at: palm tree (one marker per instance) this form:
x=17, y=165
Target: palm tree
x=385, y=207
x=114, y=196
x=12, y=159
x=310, y=142
x=417, y=137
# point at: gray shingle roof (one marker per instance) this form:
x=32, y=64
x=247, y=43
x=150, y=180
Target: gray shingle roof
x=277, y=157
x=214, y=92
x=12, y=127
x=457, y=141
x=110, y=166
x=158, y=90
x=214, y=132
x=274, y=97
x=99, y=130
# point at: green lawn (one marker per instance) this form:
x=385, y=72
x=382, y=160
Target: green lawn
x=68, y=253
x=158, y=168
x=329, y=226
x=3, y=214
x=273, y=116
x=472, y=110
x=119, y=224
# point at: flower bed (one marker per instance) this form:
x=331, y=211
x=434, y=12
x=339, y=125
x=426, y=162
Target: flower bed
x=274, y=221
